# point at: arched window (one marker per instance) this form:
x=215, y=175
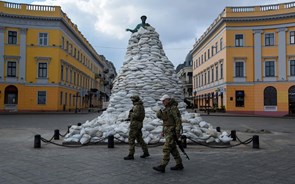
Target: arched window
x=270, y=96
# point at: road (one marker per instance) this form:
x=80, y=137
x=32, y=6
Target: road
x=20, y=163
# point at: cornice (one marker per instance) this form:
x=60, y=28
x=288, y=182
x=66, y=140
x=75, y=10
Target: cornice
x=29, y=17
x=259, y=18
x=224, y=20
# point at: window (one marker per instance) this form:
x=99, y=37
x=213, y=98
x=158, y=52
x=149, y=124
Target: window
x=71, y=74
x=292, y=68
x=270, y=96
x=62, y=42
x=41, y=97
x=212, y=73
x=60, y=98
x=221, y=70
x=269, y=69
x=12, y=37
x=292, y=37
x=67, y=46
x=62, y=73
x=208, y=75
x=269, y=39
x=216, y=47
x=42, y=70
x=239, y=40
x=239, y=69
x=43, y=39
x=11, y=69
x=216, y=70
x=67, y=73
x=221, y=43
x=240, y=101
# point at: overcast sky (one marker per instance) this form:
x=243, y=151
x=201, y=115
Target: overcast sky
x=179, y=22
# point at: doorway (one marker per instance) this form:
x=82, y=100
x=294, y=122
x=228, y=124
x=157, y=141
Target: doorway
x=291, y=93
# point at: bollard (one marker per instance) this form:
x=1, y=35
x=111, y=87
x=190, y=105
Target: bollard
x=68, y=131
x=183, y=141
x=255, y=141
x=218, y=129
x=233, y=135
x=37, y=141
x=56, y=134
x=110, y=141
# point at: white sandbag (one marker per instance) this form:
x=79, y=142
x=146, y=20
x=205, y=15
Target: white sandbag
x=85, y=139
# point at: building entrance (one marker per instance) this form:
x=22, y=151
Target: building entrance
x=11, y=98
x=291, y=93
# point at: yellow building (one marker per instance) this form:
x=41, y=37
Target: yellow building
x=46, y=64
x=245, y=61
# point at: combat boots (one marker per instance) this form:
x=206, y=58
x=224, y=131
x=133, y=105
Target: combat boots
x=160, y=168
x=129, y=157
x=177, y=167
x=144, y=155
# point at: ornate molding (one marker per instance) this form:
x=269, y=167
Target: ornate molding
x=7, y=57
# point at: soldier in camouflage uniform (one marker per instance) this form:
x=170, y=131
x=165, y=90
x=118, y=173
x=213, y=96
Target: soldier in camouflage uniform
x=136, y=116
x=171, y=127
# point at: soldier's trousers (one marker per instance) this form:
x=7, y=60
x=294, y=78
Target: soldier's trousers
x=170, y=147
x=136, y=134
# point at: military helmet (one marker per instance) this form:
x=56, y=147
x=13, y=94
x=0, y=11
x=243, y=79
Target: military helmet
x=135, y=98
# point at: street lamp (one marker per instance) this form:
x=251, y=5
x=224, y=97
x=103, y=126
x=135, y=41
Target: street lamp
x=195, y=95
x=76, y=96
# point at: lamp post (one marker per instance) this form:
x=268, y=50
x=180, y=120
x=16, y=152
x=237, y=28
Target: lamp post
x=76, y=96
x=195, y=95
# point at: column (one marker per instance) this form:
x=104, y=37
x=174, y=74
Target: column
x=22, y=61
x=282, y=54
x=257, y=55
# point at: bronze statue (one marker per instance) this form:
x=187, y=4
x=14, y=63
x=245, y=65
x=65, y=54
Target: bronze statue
x=143, y=24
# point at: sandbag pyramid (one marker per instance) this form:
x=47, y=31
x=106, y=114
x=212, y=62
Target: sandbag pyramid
x=146, y=72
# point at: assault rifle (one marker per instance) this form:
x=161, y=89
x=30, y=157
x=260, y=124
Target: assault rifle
x=179, y=144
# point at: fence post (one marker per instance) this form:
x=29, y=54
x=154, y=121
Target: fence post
x=110, y=141
x=233, y=135
x=255, y=141
x=37, y=141
x=56, y=134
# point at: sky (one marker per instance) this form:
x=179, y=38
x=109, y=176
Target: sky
x=179, y=22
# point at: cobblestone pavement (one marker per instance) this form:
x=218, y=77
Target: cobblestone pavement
x=21, y=163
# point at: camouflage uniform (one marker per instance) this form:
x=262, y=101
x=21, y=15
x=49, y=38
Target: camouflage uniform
x=136, y=116
x=171, y=125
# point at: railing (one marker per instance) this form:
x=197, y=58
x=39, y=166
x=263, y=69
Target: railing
x=289, y=5
x=243, y=9
x=269, y=7
x=29, y=7
x=12, y=5
x=40, y=8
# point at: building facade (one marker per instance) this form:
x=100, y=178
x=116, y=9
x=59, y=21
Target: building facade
x=46, y=64
x=185, y=74
x=245, y=61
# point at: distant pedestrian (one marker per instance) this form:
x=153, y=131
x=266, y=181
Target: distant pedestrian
x=172, y=127
x=136, y=116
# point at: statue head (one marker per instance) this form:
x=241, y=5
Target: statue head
x=143, y=18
